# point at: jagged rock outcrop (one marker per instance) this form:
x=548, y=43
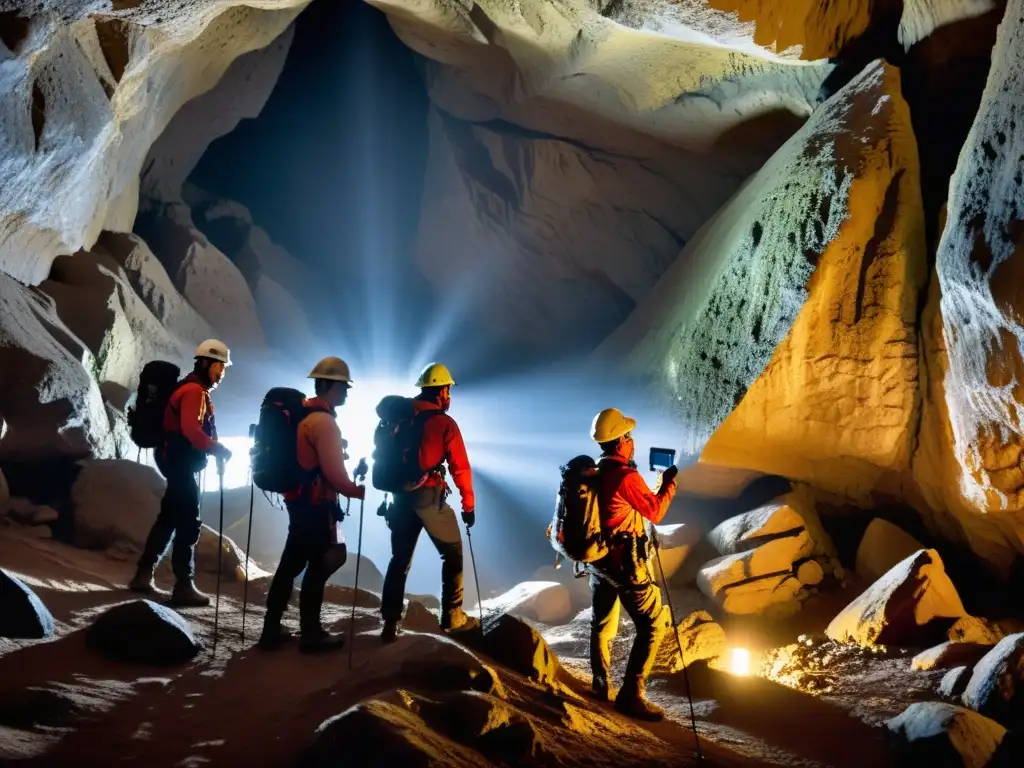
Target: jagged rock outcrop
x=50, y=403
x=996, y=687
x=810, y=274
x=914, y=603
x=973, y=466
x=580, y=155
x=944, y=734
x=86, y=93
x=143, y=632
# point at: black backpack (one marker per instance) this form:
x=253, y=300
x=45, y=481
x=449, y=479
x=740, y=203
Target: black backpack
x=396, y=445
x=273, y=457
x=575, y=530
x=157, y=383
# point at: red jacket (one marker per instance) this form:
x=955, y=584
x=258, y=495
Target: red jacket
x=624, y=497
x=190, y=413
x=442, y=442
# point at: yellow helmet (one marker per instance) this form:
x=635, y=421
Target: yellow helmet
x=435, y=375
x=610, y=425
x=332, y=368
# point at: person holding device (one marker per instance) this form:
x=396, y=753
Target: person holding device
x=623, y=576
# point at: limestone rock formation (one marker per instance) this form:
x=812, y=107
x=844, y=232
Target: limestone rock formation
x=911, y=604
x=518, y=646
x=773, y=558
x=971, y=629
x=947, y=655
x=22, y=613
x=115, y=501
x=546, y=602
x=86, y=93
x=828, y=235
x=439, y=662
x=883, y=546
x=944, y=734
x=143, y=632
x=643, y=136
x=996, y=687
x=978, y=379
x=51, y=405
x=954, y=682
x=701, y=639
x=746, y=531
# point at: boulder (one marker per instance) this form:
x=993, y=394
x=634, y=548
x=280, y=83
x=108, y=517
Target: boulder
x=996, y=687
x=809, y=573
x=954, y=683
x=971, y=629
x=343, y=596
x=546, y=602
x=515, y=644
x=747, y=531
x=22, y=613
x=50, y=401
x=883, y=546
x=77, y=81
x=419, y=619
x=114, y=501
x=774, y=597
x=947, y=655
x=970, y=471
x=441, y=664
x=937, y=733
x=143, y=632
x=385, y=732
x=701, y=638
x=777, y=557
x=676, y=543
x=232, y=560
x=493, y=728
x=430, y=602
x=578, y=587
x=913, y=603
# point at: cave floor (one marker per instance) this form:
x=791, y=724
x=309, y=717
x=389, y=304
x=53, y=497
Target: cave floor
x=216, y=709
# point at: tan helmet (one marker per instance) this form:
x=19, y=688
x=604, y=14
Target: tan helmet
x=332, y=368
x=610, y=425
x=435, y=375
x=212, y=349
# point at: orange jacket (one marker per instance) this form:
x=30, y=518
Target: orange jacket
x=624, y=497
x=189, y=412
x=442, y=442
x=320, y=447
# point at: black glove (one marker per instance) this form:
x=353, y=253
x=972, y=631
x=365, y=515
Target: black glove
x=669, y=474
x=469, y=518
x=221, y=451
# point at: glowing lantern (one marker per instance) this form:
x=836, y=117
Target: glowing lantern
x=740, y=662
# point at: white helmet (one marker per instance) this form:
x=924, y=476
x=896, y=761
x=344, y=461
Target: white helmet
x=332, y=368
x=610, y=424
x=213, y=349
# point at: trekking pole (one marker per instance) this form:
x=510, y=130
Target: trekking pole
x=220, y=552
x=476, y=580
x=679, y=643
x=360, y=473
x=248, y=546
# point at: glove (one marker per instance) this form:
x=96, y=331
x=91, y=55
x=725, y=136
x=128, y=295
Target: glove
x=469, y=517
x=670, y=474
x=360, y=493
x=221, y=452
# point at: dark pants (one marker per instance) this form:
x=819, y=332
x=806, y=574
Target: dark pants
x=410, y=514
x=622, y=577
x=309, y=547
x=179, y=517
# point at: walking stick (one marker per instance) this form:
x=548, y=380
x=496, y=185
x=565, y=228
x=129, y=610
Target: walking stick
x=248, y=546
x=476, y=580
x=220, y=552
x=360, y=474
x=679, y=642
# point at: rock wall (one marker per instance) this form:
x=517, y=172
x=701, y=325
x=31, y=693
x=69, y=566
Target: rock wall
x=83, y=95
x=979, y=380
x=572, y=157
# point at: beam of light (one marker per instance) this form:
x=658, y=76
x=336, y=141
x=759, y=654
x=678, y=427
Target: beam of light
x=739, y=662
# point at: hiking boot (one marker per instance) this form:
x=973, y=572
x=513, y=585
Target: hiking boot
x=274, y=637
x=601, y=689
x=389, y=634
x=185, y=595
x=319, y=640
x=633, y=702
x=459, y=621
x=142, y=581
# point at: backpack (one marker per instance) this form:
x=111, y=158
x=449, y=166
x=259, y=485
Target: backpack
x=396, y=445
x=273, y=457
x=157, y=383
x=575, y=530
